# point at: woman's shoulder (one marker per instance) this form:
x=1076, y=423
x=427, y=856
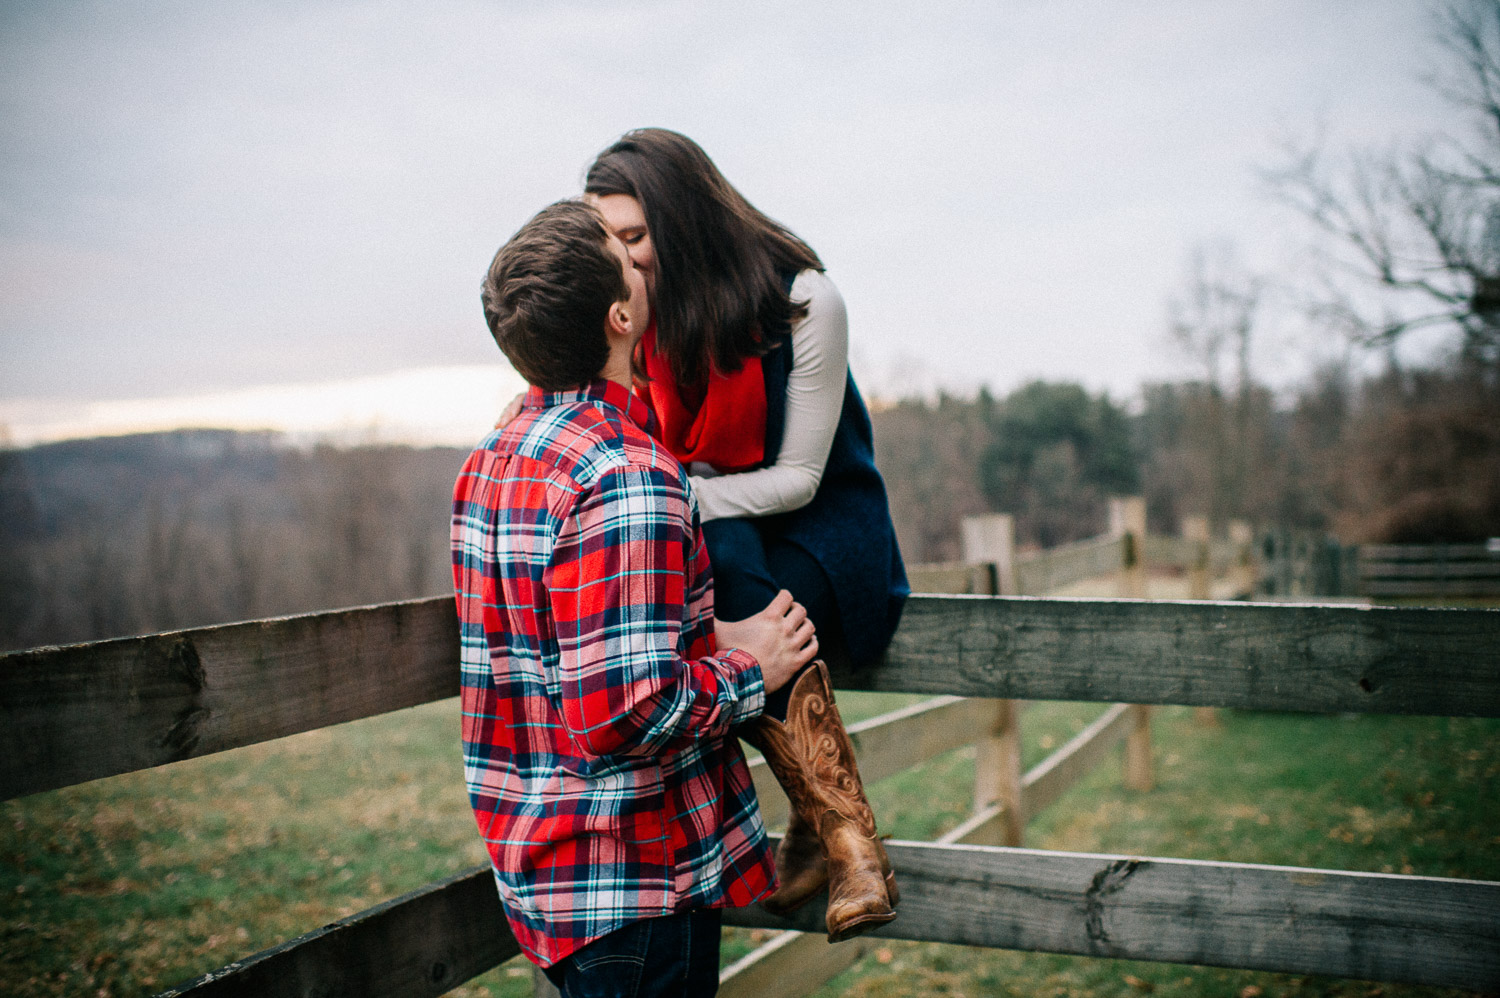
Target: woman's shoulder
x=822, y=296
x=814, y=285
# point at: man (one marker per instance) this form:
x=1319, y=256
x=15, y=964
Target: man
x=617, y=810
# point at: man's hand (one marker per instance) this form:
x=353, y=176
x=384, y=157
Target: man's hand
x=511, y=411
x=780, y=637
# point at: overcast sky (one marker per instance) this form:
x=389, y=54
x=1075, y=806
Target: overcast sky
x=203, y=198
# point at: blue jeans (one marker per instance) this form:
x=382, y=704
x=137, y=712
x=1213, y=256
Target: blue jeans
x=675, y=955
x=751, y=563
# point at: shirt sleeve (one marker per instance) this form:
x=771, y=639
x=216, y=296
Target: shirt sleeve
x=814, y=400
x=620, y=588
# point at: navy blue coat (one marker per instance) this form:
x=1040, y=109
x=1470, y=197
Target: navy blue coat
x=847, y=526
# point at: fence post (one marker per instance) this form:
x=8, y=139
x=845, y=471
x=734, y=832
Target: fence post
x=997, y=771
x=997, y=756
x=1242, y=571
x=1195, y=532
x=1127, y=519
x=991, y=539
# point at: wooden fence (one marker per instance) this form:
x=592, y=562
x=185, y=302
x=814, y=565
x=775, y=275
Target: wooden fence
x=82, y=712
x=1433, y=570
x=1301, y=565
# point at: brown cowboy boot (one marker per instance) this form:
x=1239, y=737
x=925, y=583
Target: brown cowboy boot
x=814, y=762
x=800, y=867
x=802, y=870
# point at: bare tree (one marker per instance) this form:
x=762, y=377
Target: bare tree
x=1213, y=321
x=1213, y=318
x=1422, y=224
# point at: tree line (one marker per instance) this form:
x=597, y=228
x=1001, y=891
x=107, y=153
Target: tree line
x=128, y=535
x=114, y=536
x=1398, y=457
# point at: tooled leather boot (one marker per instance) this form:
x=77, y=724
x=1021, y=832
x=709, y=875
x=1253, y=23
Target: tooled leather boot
x=813, y=760
x=800, y=867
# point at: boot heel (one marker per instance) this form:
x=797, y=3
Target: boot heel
x=813, y=760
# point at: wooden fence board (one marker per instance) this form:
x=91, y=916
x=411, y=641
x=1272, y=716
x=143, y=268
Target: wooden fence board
x=420, y=944
x=1381, y=927
x=1050, y=779
x=1431, y=587
x=1045, y=571
x=1422, y=930
x=81, y=712
x=1174, y=552
x=1426, y=552
x=893, y=743
x=85, y=711
x=793, y=963
x=1179, y=552
x=954, y=577
x=1372, y=570
x=988, y=826
x=1296, y=657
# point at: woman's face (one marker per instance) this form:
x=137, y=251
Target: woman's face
x=623, y=214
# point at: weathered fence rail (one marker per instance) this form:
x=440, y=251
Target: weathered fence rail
x=1057, y=567
x=1295, y=657
x=1305, y=565
x=423, y=943
x=1429, y=569
x=86, y=711
x=1226, y=568
x=216, y=681
x=1377, y=926
x=82, y=712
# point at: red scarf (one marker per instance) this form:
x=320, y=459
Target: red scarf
x=727, y=431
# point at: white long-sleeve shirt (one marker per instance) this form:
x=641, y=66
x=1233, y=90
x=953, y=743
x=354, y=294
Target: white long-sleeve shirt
x=814, y=400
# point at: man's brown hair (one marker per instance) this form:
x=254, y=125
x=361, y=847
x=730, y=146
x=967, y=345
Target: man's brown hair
x=548, y=292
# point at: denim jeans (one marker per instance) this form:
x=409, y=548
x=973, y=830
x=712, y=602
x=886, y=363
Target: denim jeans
x=675, y=955
x=751, y=564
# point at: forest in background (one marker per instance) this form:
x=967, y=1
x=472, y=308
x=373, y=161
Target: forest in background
x=1398, y=440
x=129, y=535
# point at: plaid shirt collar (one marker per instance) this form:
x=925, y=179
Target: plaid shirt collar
x=600, y=392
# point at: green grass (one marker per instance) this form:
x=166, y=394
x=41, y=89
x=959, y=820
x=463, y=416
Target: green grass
x=132, y=884
x=128, y=885
x=1381, y=794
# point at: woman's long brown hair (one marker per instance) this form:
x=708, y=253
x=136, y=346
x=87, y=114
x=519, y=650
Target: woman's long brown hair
x=719, y=260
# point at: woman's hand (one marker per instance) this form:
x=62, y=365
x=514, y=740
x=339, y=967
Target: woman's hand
x=511, y=411
x=780, y=637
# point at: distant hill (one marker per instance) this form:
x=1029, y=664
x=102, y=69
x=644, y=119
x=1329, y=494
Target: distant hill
x=53, y=488
x=117, y=535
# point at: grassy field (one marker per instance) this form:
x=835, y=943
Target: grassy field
x=128, y=885
x=1403, y=795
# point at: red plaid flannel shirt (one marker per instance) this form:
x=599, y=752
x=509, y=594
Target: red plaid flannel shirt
x=596, y=713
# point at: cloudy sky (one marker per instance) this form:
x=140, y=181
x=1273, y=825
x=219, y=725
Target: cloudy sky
x=279, y=213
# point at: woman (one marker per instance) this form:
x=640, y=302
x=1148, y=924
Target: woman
x=746, y=369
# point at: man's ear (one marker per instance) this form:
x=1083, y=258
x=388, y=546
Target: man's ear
x=617, y=320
